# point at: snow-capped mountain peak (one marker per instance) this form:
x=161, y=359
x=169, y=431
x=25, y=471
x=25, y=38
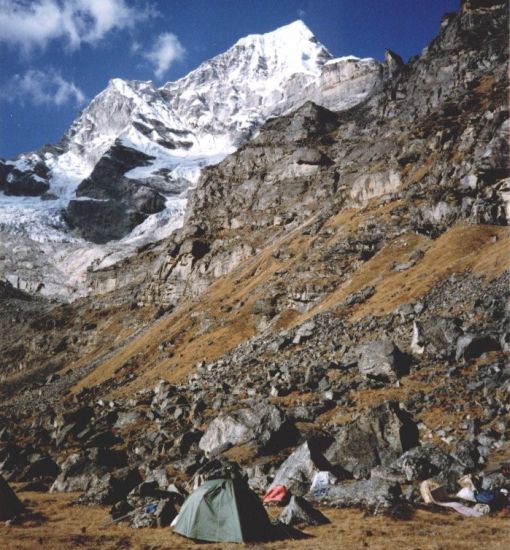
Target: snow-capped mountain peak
x=131, y=157
x=292, y=48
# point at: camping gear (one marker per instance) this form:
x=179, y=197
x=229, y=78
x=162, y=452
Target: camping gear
x=10, y=505
x=467, y=482
x=277, y=495
x=433, y=493
x=223, y=510
x=466, y=493
x=320, y=483
x=494, y=498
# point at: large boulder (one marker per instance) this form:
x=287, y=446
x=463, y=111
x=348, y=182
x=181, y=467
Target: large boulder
x=376, y=437
x=381, y=360
x=264, y=424
x=113, y=487
x=78, y=473
x=373, y=493
x=297, y=472
x=418, y=464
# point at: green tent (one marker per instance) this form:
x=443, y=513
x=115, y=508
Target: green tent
x=223, y=510
x=10, y=505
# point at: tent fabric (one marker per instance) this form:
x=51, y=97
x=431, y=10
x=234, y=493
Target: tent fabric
x=10, y=505
x=223, y=510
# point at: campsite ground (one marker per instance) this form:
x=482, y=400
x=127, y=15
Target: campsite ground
x=58, y=524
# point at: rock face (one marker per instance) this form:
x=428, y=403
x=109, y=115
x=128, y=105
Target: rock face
x=304, y=161
x=110, y=204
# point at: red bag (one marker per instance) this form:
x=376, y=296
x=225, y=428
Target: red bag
x=277, y=495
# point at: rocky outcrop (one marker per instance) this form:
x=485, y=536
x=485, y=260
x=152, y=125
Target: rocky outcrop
x=409, y=135
x=110, y=204
x=31, y=182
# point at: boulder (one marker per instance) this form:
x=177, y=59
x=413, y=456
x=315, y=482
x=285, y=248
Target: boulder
x=112, y=487
x=300, y=512
x=470, y=346
x=417, y=464
x=374, y=493
x=77, y=473
x=265, y=424
x=436, y=336
x=381, y=360
x=376, y=437
x=298, y=470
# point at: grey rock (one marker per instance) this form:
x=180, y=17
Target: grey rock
x=77, y=474
x=376, y=437
x=112, y=487
x=264, y=424
x=436, y=336
x=374, y=493
x=381, y=360
x=300, y=512
x=417, y=464
x=304, y=332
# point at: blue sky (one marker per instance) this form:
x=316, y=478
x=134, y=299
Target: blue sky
x=56, y=55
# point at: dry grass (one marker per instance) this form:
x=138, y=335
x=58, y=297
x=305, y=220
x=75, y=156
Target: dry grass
x=464, y=248
x=72, y=527
x=481, y=249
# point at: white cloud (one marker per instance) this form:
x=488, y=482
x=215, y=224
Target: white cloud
x=34, y=23
x=164, y=52
x=41, y=88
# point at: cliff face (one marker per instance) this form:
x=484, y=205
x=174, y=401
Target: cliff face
x=433, y=141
